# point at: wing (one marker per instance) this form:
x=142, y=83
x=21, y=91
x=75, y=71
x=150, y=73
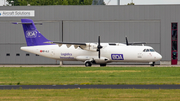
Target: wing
x=68, y=44
x=84, y=46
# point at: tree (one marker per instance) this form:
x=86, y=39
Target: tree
x=65, y=2
x=50, y=2
x=131, y=3
x=16, y=2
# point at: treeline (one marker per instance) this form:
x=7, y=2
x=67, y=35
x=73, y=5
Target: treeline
x=49, y=2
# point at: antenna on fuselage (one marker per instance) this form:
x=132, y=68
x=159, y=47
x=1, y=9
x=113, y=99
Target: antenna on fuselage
x=127, y=41
x=133, y=43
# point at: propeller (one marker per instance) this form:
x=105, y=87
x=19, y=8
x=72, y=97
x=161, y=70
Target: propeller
x=127, y=41
x=99, y=47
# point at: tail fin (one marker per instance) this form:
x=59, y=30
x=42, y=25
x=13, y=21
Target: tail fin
x=32, y=35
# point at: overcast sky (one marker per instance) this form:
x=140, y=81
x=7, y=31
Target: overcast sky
x=137, y=2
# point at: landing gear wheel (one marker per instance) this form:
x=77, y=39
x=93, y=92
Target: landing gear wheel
x=102, y=65
x=88, y=64
x=153, y=64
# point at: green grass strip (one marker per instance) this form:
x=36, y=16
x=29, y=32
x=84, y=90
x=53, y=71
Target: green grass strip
x=88, y=75
x=90, y=95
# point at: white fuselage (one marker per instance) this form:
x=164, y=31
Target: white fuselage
x=117, y=53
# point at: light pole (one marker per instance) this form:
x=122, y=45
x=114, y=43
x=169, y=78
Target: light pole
x=4, y=2
x=118, y=2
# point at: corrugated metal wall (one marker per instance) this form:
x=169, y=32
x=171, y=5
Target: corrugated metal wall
x=112, y=31
x=151, y=24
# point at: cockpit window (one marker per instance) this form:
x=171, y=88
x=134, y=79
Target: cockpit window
x=152, y=50
x=148, y=50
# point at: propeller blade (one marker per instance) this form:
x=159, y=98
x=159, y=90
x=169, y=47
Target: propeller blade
x=99, y=44
x=99, y=53
x=98, y=40
x=127, y=41
x=99, y=47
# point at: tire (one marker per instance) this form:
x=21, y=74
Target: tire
x=88, y=64
x=153, y=64
x=102, y=65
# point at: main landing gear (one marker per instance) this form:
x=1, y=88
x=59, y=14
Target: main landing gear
x=89, y=64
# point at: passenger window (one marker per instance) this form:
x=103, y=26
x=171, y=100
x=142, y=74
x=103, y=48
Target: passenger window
x=144, y=50
x=147, y=50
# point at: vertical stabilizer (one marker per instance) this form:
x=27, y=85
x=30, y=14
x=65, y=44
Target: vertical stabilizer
x=32, y=35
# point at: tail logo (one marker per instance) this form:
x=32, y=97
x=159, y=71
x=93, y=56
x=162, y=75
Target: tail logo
x=31, y=34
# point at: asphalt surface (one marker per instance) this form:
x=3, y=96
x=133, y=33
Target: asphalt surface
x=89, y=86
x=84, y=66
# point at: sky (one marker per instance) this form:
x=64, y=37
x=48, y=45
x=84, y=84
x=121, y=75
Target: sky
x=137, y=2
x=143, y=2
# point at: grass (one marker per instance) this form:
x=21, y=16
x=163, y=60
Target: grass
x=88, y=75
x=90, y=95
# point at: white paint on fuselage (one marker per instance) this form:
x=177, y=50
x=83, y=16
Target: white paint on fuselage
x=130, y=53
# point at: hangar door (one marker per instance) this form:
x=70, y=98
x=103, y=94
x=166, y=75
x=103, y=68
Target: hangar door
x=112, y=31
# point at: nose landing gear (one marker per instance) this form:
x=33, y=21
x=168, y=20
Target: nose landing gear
x=153, y=63
x=102, y=65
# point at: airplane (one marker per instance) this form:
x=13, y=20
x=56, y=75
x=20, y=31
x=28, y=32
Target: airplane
x=89, y=53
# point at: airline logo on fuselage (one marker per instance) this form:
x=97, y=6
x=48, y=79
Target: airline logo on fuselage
x=117, y=57
x=31, y=34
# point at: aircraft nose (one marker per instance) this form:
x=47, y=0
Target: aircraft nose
x=158, y=57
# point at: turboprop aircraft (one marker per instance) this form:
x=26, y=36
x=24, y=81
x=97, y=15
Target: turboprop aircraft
x=89, y=53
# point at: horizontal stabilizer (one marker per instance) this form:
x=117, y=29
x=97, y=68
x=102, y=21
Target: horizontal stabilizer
x=36, y=23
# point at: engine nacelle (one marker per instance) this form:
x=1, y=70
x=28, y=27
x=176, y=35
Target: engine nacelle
x=93, y=59
x=102, y=60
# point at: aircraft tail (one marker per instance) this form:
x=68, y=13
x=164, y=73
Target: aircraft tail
x=32, y=35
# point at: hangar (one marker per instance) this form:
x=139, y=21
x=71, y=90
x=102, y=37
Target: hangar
x=157, y=25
